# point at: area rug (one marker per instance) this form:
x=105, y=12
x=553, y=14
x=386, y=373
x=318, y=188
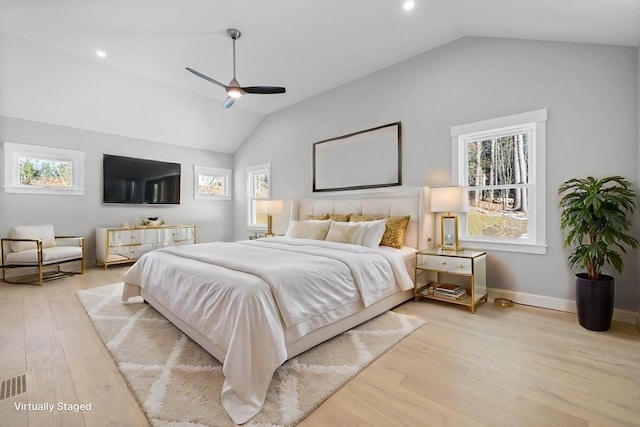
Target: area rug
x=176, y=382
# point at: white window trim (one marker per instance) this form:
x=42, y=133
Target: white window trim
x=537, y=177
x=13, y=151
x=211, y=171
x=251, y=170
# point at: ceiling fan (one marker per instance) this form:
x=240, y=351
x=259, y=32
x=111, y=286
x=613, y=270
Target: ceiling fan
x=234, y=90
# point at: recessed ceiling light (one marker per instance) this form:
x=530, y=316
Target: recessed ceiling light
x=408, y=5
x=101, y=53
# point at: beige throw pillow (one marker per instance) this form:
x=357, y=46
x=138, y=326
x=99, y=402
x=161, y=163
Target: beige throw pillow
x=316, y=230
x=343, y=232
x=44, y=232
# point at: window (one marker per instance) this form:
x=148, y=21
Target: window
x=43, y=170
x=500, y=163
x=211, y=183
x=258, y=188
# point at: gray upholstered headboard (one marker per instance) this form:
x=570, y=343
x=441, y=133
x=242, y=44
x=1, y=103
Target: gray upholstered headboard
x=414, y=202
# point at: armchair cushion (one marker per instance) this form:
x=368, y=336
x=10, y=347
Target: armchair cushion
x=44, y=232
x=49, y=255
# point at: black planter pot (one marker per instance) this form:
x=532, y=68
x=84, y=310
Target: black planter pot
x=594, y=302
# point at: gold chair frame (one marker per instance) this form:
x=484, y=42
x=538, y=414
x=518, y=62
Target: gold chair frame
x=41, y=276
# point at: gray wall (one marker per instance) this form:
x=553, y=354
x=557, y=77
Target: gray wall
x=590, y=92
x=80, y=215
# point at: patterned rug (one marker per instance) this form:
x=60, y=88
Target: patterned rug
x=176, y=382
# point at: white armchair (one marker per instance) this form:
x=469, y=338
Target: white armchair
x=38, y=247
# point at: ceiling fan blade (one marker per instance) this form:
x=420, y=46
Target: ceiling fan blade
x=233, y=89
x=207, y=78
x=264, y=90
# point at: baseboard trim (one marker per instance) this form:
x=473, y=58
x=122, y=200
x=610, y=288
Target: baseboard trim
x=559, y=304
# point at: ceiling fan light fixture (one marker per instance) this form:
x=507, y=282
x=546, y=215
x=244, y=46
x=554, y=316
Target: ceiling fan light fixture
x=234, y=89
x=234, y=92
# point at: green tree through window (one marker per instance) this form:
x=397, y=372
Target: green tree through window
x=497, y=180
x=43, y=172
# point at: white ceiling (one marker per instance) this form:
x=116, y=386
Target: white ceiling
x=308, y=46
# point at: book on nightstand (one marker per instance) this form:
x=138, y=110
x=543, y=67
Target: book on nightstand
x=451, y=291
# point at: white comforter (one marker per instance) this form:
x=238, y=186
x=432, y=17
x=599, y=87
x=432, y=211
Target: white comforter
x=251, y=297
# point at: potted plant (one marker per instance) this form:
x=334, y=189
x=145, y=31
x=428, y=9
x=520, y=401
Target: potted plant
x=596, y=216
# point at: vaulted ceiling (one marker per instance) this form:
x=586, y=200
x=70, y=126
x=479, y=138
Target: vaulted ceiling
x=308, y=46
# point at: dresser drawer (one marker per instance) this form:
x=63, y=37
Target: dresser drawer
x=448, y=264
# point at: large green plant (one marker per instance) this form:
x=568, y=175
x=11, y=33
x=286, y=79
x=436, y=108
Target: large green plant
x=596, y=215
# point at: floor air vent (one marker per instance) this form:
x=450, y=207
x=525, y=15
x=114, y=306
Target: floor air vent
x=13, y=386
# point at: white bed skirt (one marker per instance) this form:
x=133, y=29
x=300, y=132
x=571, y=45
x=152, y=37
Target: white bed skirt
x=293, y=348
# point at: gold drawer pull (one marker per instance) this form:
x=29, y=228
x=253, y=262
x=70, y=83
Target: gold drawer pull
x=444, y=262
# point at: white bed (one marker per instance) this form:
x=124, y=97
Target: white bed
x=254, y=328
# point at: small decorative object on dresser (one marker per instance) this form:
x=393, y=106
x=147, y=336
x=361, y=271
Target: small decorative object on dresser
x=433, y=266
x=152, y=221
x=121, y=245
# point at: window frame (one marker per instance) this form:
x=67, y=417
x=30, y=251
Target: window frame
x=12, y=153
x=252, y=171
x=199, y=171
x=536, y=122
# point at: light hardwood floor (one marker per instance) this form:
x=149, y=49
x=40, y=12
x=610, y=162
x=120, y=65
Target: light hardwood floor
x=519, y=366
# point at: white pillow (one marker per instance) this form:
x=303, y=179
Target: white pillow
x=371, y=233
x=316, y=230
x=44, y=232
x=343, y=232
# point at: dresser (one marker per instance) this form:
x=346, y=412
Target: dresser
x=119, y=245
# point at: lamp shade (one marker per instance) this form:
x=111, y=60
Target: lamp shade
x=448, y=199
x=269, y=207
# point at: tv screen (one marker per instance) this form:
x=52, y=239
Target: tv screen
x=140, y=181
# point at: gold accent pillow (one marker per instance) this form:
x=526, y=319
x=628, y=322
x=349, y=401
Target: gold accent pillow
x=361, y=218
x=394, y=233
x=340, y=217
x=343, y=233
x=317, y=217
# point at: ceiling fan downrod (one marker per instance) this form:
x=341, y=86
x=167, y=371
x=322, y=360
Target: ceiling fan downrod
x=235, y=35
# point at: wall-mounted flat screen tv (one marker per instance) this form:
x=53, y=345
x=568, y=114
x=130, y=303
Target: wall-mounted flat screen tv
x=140, y=181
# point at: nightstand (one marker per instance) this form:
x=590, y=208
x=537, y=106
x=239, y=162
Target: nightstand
x=466, y=269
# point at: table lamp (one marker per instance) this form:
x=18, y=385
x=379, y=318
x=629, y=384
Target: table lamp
x=269, y=208
x=448, y=199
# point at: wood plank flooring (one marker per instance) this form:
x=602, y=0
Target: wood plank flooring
x=518, y=366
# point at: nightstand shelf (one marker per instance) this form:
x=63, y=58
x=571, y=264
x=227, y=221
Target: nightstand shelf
x=467, y=269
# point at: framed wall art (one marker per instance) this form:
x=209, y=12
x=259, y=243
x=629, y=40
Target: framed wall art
x=369, y=158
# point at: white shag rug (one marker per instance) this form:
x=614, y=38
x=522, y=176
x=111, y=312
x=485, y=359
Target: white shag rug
x=177, y=383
